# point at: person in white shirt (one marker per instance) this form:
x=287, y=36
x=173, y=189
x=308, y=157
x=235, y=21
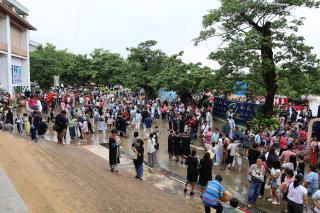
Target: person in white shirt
x=297, y=195
x=138, y=118
x=151, y=150
x=316, y=201
x=275, y=177
x=209, y=119
x=232, y=124
x=204, y=128
x=232, y=147
x=81, y=101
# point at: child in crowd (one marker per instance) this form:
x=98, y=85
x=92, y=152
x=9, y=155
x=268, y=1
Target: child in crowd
x=19, y=122
x=26, y=124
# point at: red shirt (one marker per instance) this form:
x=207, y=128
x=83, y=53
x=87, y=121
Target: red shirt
x=283, y=143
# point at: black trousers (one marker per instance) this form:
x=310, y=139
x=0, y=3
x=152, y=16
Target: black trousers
x=218, y=208
x=294, y=207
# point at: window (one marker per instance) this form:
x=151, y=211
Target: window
x=16, y=74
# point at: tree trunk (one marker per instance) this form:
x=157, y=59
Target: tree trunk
x=268, y=70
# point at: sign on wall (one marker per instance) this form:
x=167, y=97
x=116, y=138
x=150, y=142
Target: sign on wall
x=16, y=74
x=56, y=80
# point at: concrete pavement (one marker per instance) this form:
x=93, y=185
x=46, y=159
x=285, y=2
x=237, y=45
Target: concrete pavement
x=10, y=200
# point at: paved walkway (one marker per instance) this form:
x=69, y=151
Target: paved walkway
x=10, y=200
x=54, y=178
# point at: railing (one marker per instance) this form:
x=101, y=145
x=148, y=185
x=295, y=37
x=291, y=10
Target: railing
x=19, y=51
x=3, y=46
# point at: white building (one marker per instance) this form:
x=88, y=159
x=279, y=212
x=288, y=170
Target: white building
x=14, y=46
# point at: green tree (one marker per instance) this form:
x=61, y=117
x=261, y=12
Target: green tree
x=45, y=62
x=106, y=67
x=259, y=36
x=185, y=79
x=144, y=64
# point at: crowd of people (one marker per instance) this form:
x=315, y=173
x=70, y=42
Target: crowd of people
x=277, y=156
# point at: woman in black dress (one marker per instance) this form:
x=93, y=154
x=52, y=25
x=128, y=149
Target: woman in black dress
x=170, y=144
x=185, y=151
x=138, y=162
x=205, y=171
x=192, y=171
x=177, y=146
x=114, y=142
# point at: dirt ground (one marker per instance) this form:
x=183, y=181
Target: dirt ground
x=55, y=178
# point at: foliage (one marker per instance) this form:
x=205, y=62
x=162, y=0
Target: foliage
x=259, y=122
x=101, y=67
x=259, y=37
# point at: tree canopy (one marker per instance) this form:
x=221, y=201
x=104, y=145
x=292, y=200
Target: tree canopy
x=260, y=43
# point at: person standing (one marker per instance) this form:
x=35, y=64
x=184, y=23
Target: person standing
x=232, y=124
x=151, y=149
x=314, y=151
x=9, y=116
x=316, y=201
x=135, y=139
x=253, y=154
x=275, y=178
x=207, y=140
x=148, y=125
x=85, y=129
x=19, y=123
x=138, y=161
x=185, y=148
x=283, y=144
x=33, y=130
x=226, y=128
x=212, y=194
x=192, y=171
x=26, y=124
x=256, y=172
x=137, y=120
x=72, y=124
x=114, y=155
x=312, y=180
x=60, y=125
x=171, y=144
x=205, y=171
x=232, y=147
x=297, y=196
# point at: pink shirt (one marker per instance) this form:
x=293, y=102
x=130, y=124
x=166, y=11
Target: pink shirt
x=286, y=155
x=207, y=137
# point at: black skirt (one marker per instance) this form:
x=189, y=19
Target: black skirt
x=72, y=132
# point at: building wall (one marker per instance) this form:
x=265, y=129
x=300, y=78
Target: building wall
x=3, y=71
x=3, y=33
x=16, y=37
x=14, y=51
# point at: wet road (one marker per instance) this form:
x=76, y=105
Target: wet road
x=52, y=178
x=235, y=180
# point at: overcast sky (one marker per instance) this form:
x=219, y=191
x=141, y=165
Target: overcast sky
x=82, y=25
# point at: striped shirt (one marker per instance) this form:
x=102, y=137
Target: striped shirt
x=213, y=192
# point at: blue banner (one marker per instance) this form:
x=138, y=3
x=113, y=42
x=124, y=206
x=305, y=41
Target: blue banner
x=242, y=111
x=167, y=95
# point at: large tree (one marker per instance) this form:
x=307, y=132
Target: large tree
x=47, y=61
x=260, y=43
x=185, y=79
x=106, y=66
x=145, y=63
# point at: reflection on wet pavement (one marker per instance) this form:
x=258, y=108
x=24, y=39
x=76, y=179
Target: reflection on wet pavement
x=235, y=180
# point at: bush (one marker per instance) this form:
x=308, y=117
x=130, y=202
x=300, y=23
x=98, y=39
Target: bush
x=265, y=122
